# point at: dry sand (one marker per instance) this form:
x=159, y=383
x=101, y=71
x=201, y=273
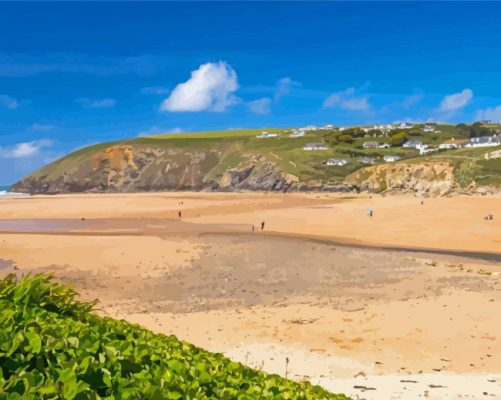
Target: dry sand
x=377, y=324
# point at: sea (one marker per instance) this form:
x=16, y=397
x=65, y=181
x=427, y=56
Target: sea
x=4, y=191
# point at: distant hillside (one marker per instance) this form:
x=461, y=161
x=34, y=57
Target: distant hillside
x=239, y=160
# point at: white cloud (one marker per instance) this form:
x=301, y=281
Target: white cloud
x=8, y=102
x=456, y=101
x=347, y=100
x=412, y=100
x=260, y=106
x=25, y=149
x=284, y=87
x=210, y=88
x=155, y=130
x=96, y=103
x=154, y=90
x=491, y=113
x=42, y=127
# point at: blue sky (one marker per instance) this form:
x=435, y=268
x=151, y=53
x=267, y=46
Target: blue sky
x=73, y=74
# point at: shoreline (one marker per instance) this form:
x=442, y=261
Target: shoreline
x=73, y=228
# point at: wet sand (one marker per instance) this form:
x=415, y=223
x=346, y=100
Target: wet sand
x=371, y=322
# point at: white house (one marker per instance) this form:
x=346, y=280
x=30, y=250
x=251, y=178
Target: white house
x=425, y=149
x=297, y=133
x=413, y=143
x=429, y=128
x=405, y=125
x=264, y=135
x=375, y=145
x=370, y=145
x=484, y=141
x=451, y=144
x=310, y=128
x=366, y=160
x=391, y=158
x=338, y=162
x=314, y=146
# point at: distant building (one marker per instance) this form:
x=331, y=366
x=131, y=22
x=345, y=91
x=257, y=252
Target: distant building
x=314, y=146
x=413, y=143
x=405, y=125
x=310, y=128
x=297, y=133
x=391, y=158
x=375, y=145
x=366, y=160
x=370, y=145
x=338, y=162
x=429, y=128
x=484, y=141
x=425, y=149
x=264, y=135
x=452, y=144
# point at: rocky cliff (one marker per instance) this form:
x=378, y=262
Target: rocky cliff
x=234, y=165
x=421, y=178
x=136, y=168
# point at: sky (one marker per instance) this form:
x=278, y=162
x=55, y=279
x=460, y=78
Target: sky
x=74, y=74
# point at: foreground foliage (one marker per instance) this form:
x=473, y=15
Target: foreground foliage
x=53, y=347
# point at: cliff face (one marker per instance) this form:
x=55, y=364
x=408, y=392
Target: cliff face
x=135, y=168
x=421, y=178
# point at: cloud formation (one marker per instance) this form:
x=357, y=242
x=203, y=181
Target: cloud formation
x=42, y=127
x=28, y=64
x=210, y=88
x=96, y=103
x=156, y=130
x=284, y=87
x=491, y=113
x=260, y=106
x=456, y=101
x=154, y=90
x=25, y=149
x=8, y=102
x=347, y=100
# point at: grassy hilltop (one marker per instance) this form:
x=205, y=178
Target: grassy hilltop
x=53, y=347
x=238, y=160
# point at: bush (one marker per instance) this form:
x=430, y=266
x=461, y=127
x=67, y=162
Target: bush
x=54, y=347
x=345, y=139
x=398, y=139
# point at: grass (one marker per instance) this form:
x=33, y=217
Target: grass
x=235, y=147
x=216, y=134
x=53, y=346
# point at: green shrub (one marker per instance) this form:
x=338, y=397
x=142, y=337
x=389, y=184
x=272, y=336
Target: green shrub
x=398, y=139
x=53, y=347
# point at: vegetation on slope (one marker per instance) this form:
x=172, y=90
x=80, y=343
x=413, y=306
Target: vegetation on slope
x=53, y=347
x=238, y=160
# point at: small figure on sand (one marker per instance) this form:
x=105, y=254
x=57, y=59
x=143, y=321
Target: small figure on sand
x=370, y=212
x=179, y=214
x=262, y=225
x=489, y=217
x=253, y=228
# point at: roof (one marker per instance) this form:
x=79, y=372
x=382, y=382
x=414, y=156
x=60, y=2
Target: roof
x=486, y=139
x=454, y=141
x=314, y=144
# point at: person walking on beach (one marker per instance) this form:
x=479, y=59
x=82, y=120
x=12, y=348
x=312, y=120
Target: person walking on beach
x=370, y=212
x=262, y=225
x=179, y=214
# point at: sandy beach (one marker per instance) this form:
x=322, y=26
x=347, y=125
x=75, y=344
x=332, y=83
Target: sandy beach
x=403, y=305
